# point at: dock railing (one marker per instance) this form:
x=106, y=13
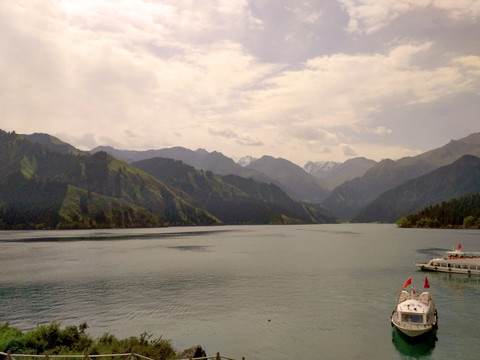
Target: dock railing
x=126, y=356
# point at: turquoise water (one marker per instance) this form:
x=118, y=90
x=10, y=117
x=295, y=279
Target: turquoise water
x=263, y=292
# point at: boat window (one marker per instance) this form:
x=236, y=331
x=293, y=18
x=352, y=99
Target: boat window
x=414, y=318
x=458, y=266
x=465, y=266
x=443, y=264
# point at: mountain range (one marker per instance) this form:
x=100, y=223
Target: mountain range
x=176, y=185
x=348, y=199
x=306, y=184
x=280, y=172
x=361, y=180
x=45, y=184
x=442, y=184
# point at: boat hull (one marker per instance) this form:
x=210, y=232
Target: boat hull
x=453, y=269
x=456, y=262
x=414, y=332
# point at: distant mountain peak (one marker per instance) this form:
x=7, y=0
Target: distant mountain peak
x=246, y=160
x=319, y=166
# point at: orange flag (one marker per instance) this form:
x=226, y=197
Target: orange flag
x=408, y=282
x=426, y=285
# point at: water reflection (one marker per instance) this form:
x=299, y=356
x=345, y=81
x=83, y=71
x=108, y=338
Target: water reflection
x=102, y=235
x=456, y=280
x=199, y=248
x=414, y=348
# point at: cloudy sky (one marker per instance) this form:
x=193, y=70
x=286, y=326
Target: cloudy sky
x=301, y=80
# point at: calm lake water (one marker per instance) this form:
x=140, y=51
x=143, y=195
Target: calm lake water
x=263, y=292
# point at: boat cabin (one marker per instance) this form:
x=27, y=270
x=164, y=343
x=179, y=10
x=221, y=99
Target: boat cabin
x=415, y=310
x=455, y=265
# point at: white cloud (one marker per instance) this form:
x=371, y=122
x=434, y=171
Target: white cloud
x=144, y=74
x=304, y=11
x=371, y=15
x=342, y=90
x=348, y=151
x=382, y=130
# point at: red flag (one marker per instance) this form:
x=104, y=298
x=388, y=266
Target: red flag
x=426, y=285
x=408, y=282
x=459, y=246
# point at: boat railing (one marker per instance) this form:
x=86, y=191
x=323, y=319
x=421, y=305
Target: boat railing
x=125, y=356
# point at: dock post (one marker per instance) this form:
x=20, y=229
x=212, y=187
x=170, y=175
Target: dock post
x=218, y=356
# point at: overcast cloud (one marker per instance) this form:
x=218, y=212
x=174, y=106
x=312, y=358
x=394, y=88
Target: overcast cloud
x=302, y=80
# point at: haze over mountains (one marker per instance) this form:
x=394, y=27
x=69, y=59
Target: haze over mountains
x=354, y=183
x=176, y=186
x=334, y=173
x=349, y=198
x=266, y=168
x=442, y=184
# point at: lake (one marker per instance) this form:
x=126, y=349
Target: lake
x=262, y=292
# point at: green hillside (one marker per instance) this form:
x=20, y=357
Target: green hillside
x=231, y=198
x=46, y=184
x=462, y=212
x=442, y=184
x=42, y=188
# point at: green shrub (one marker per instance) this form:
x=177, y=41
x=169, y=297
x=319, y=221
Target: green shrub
x=52, y=339
x=11, y=339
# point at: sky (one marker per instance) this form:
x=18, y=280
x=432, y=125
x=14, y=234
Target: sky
x=305, y=81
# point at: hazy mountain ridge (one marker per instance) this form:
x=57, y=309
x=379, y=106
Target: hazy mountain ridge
x=292, y=178
x=335, y=174
x=349, y=198
x=287, y=175
x=246, y=160
x=319, y=168
x=234, y=199
x=444, y=183
x=332, y=174
x=200, y=159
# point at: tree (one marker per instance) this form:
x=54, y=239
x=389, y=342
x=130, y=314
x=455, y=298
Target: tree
x=403, y=222
x=469, y=222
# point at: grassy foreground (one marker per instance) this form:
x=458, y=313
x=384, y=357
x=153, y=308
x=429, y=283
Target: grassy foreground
x=52, y=339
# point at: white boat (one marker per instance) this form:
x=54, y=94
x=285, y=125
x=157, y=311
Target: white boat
x=415, y=314
x=456, y=261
